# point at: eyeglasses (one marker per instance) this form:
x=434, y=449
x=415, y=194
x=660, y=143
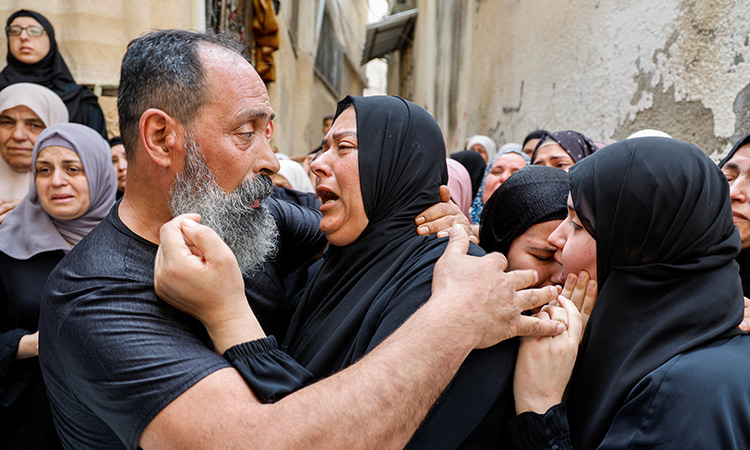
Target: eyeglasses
x=31, y=30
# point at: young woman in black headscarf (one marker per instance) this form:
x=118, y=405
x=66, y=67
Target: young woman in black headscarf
x=520, y=216
x=382, y=164
x=562, y=149
x=662, y=363
x=28, y=63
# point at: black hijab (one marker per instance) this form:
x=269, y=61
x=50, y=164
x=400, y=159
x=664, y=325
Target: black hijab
x=665, y=247
x=574, y=143
x=475, y=165
x=532, y=195
x=402, y=164
x=364, y=291
x=743, y=259
x=51, y=72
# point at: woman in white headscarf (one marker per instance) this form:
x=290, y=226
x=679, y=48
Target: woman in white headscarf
x=25, y=110
x=292, y=175
x=484, y=145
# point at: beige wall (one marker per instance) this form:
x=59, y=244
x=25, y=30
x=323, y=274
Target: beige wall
x=605, y=68
x=300, y=99
x=93, y=34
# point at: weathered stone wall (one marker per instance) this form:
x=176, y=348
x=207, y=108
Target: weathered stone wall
x=606, y=68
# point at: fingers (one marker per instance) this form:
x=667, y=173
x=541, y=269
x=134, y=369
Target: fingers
x=533, y=298
x=574, y=317
x=458, y=243
x=534, y=326
x=570, y=284
x=204, y=241
x=592, y=292
x=445, y=193
x=745, y=324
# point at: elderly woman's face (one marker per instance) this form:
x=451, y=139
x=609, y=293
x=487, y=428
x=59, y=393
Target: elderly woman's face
x=576, y=249
x=479, y=148
x=531, y=250
x=19, y=128
x=28, y=49
x=554, y=156
x=339, y=191
x=504, y=166
x=61, y=183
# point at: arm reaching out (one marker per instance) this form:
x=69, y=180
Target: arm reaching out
x=377, y=402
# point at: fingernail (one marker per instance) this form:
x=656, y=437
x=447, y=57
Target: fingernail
x=441, y=234
x=423, y=230
x=420, y=220
x=190, y=223
x=560, y=328
x=592, y=284
x=570, y=278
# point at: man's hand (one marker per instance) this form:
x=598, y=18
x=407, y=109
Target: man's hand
x=198, y=274
x=6, y=206
x=486, y=301
x=440, y=217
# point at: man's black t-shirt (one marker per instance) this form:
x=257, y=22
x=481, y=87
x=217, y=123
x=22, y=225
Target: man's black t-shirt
x=112, y=353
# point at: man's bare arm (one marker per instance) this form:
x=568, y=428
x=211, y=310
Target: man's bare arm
x=376, y=403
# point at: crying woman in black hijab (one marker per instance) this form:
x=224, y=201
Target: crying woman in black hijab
x=383, y=161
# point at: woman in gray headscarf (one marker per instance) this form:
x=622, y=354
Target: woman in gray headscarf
x=73, y=189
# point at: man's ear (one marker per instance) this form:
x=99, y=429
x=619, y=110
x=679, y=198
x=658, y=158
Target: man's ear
x=159, y=134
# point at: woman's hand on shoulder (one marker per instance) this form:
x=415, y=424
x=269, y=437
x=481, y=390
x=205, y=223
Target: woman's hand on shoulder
x=440, y=217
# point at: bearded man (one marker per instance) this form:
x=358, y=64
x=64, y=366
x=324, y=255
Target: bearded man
x=125, y=370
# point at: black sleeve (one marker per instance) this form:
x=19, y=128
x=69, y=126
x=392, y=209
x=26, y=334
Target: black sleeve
x=300, y=237
x=95, y=119
x=271, y=373
x=550, y=431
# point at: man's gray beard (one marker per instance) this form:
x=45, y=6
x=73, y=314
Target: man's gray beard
x=249, y=232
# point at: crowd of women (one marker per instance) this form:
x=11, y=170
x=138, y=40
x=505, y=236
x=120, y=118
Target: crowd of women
x=644, y=251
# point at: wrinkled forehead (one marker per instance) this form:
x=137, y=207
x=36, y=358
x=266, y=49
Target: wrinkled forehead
x=740, y=158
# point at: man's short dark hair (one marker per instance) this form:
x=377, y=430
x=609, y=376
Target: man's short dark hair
x=162, y=70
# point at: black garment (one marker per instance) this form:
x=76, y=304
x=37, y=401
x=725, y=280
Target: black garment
x=743, y=259
x=275, y=288
x=574, y=143
x=475, y=165
x=25, y=418
x=668, y=283
x=366, y=290
x=114, y=355
x=52, y=72
x=536, y=134
x=672, y=407
x=532, y=195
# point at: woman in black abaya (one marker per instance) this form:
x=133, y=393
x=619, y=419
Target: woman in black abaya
x=50, y=71
x=661, y=363
x=732, y=173
x=382, y=164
